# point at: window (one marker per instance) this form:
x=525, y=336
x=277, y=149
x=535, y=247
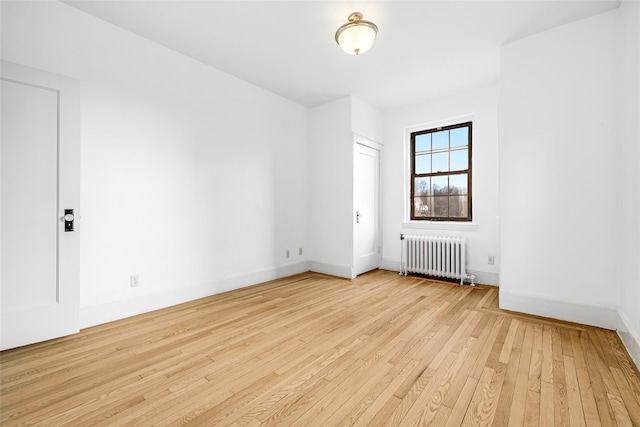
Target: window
x=441, y=174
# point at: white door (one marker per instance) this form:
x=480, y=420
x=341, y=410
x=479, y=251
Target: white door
x=39, y=179
x=366, y=206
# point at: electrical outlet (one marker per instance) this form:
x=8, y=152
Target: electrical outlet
x=287, y=255
x=299, y=251
x=491, y=260
x=134, y=280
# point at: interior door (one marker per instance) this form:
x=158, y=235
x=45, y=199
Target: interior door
x=366, y=205
x=39, y=179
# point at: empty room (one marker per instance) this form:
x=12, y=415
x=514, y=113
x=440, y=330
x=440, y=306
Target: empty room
x=320, y=213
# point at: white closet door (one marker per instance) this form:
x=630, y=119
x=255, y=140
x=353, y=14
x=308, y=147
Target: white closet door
x=39, y=172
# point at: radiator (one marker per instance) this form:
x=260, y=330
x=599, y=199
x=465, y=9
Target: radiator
x=434, y=256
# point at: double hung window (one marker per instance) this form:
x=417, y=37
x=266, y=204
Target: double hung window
x=441, y=173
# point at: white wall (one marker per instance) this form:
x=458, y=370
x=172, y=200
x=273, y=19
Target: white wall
x=559, y=173
x=190, y=177
x=332, y=130
x=366, y=120
x=627, y=101
x=331, y=189
x=481, y=106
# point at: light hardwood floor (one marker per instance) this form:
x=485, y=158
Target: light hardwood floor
x=311, y=350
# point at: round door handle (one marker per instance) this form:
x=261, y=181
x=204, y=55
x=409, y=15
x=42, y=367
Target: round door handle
x=68, y=217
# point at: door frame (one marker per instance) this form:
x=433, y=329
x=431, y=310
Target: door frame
x=67, y=319
x=366, y=142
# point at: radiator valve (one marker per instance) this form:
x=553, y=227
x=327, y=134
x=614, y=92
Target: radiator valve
x=471, y=278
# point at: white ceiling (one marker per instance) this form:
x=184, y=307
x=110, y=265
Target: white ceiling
x=423, y=49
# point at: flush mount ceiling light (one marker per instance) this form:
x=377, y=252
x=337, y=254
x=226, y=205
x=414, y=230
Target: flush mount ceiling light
x=356, y=36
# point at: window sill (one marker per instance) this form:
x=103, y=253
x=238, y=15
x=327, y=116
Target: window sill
x=441, y=225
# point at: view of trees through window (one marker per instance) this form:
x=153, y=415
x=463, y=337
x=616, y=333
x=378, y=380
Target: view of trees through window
x=441, y=173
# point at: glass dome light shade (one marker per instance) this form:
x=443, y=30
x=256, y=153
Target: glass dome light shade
x=357, y=36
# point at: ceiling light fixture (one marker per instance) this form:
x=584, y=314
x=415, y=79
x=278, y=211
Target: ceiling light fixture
x=356, y=36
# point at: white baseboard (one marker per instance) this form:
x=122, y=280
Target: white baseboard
x=115, y=310
x=485, y=277
x=603, y=317
x=482, y=277
x=332, y=270
x=630, y=338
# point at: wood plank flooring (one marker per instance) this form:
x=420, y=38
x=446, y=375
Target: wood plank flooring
x=312, y=350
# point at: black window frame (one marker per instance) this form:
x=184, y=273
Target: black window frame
x=468, y=171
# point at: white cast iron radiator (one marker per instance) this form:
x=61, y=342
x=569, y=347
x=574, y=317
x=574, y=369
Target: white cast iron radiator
x=434, y=256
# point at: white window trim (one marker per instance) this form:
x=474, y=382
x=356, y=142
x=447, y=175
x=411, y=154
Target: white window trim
x=426, y=224
x=441, y=225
